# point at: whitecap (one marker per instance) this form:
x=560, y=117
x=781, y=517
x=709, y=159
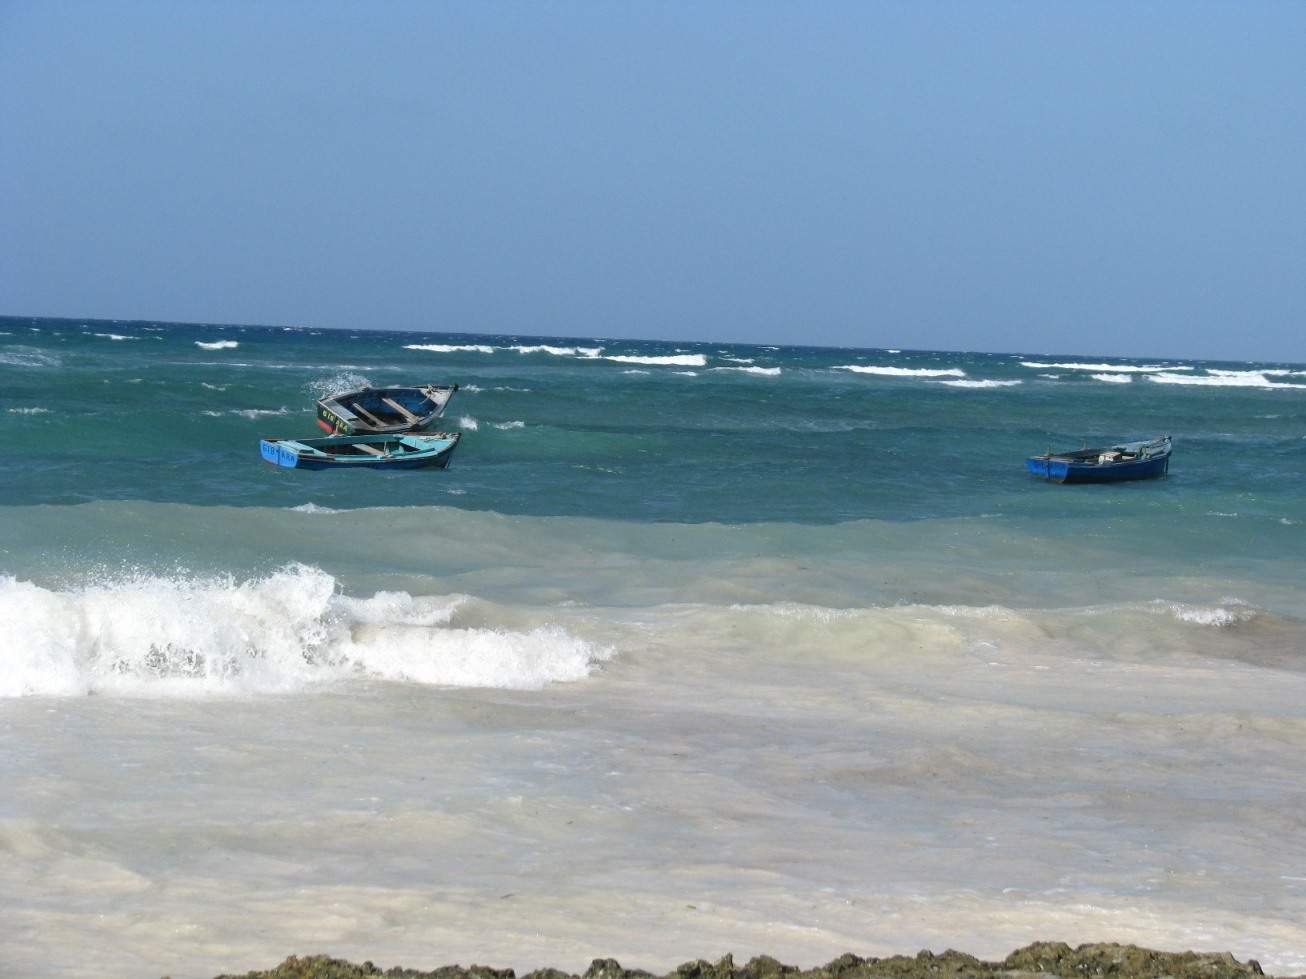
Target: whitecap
x=677, y=373
x=767, y=371
x=1114, y=378
x=213, y=387
x=217, y=344
x=634, y=372
x=980, y=384
x=469, y=423
x=114, y=336
x=313, y=508
x=901, y=371
x=586, y=353
x=29, y=411
x=676, y=360
x=739, y=360
x=509, y=425
x=451, y=348
x=1103, y=368
x=1239, y=379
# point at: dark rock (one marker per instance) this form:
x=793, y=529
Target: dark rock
x=1042, y=959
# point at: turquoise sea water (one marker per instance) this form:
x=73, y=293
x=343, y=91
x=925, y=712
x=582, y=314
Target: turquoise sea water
x=774, y=649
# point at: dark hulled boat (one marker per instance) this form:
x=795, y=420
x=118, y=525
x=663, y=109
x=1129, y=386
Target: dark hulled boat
x=378, y=411
x=1117, y=463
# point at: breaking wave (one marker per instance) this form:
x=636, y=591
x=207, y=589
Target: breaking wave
x=217, y=344
x=1114, y=378
x=507, y=426
x=451, y=348
x=113, y=336
x=29, y=411
x=766, y=371
x=983, y=383
x=180, y=636
x=469, y=423
x=1226, y=379
x=588, y=353
x=1102, y=368
x=901, y=371
x=671, y=360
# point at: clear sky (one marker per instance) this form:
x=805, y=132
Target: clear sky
x=1124, y=178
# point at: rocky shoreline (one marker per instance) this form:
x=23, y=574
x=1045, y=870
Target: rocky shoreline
x=1042, y=959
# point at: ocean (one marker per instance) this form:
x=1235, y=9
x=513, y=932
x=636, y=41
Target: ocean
x=696, y=648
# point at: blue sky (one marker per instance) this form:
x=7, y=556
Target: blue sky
x=1093, y=178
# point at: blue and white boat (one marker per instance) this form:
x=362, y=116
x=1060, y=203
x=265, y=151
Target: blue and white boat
x=404, y=451
x=1116, y=463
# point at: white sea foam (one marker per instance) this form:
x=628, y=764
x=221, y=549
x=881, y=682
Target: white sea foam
x=766, y=371
x=1103, y=368
x=739, y=360
x=185, y=636
x=451, y=348
x=1232, y=612
x=673, y=360
x=1229, y=379
x=252, y=413
x=679, y=373
x=217, y=344
x=213, y=387
x=114, y=336
x=471, y=389
x=1114, y=378
x=901, y=371
x=469, y=423
x=1051, y=377
x=635, y=371
x=322, y=387
x=588, y=353
x=506, y=426
x=890, y=350
x=28, y=357
x=983, y=383
x=312, y=508
x=1267, y=372
x=29, y=411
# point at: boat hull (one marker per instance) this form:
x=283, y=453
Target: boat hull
x=1058, y=471
x=392, y=410
x=312, y=454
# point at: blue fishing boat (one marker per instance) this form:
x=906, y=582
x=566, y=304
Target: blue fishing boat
x=1117, y=463
x=380, y=411
x=405, y=451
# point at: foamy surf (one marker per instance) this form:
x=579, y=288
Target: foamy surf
x=980, y=383
x=884, y=371
x=671, y=360
x=291, y=630
x=451, y=348
x=761, y=371
x=1104, y=368
x=217, y=344
x=1226, y=379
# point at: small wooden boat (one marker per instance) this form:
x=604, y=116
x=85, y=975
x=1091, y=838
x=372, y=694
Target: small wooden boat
x=403, y=451
x=377, y=411
x=1129, y=460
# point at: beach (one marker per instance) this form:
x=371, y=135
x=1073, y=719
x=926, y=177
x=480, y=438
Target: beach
x=696, y=649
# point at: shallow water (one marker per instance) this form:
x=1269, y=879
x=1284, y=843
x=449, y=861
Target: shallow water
x=792, y=662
